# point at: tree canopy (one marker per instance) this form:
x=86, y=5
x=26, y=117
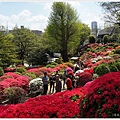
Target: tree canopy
x=62, y=27
x=112, y=11
x=25, y=41
x=8, y=55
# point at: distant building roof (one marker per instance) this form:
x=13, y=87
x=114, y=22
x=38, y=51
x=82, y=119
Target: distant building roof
x=106, y=31
x=37, y=32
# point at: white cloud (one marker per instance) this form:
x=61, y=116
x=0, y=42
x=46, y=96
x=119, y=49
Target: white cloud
x=47, y=6
x=25, y=18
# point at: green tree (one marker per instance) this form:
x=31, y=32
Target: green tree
x=62, y=27
x=84, y=33
x=38, y=57
x=112, y=11
x=25, y=41
x=92, y=39
x=7, y=51
x=106, y=39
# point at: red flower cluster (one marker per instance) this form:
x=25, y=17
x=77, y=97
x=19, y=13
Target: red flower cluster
x=58, y=105
x=84, y=77
x=103, y=98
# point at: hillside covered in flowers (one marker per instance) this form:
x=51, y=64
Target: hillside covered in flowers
x=97, y=97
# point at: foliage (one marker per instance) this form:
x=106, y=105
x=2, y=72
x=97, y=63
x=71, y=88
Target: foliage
x=62, y=27
x=50, y=66
x=117, y=64
x=102, y=99
x=59, y=60
x=1, y=71
x=14, y=94
x=106, y=39
x=31, y=75
x=20, y=69
x=92, y=39
x=117, y=51
x=38, y=57
x=58, y=105
x=101, y=69
x=111, y=11
x=8, y=54
x=112, y=67
x=25, y=41
x=69, y=64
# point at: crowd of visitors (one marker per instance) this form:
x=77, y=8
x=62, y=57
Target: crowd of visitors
x=58, y=83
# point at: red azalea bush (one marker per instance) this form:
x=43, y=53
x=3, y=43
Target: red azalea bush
x=103, y=98
x=58, y=105
x=84, y=77
x=90, y=70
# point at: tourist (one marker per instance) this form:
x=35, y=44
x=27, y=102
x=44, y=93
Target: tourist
x=58, y=83
x=71, y=74
x=52, y=83
x=45, y=80
x=57, y=73
x=69, y=82
x=64, y=78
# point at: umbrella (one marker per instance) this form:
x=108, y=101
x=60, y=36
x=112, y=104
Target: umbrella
x=78, y=71
x=76, y=65
x=68, y=69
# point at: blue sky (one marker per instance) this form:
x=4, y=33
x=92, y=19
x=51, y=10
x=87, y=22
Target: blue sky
x=34, y=15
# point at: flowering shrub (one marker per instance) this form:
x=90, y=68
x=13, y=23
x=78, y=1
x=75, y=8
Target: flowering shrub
x=103, y=97
x=84, y=77
x=43, y=107
x=21, y=81
x=90, y=70
x=58, y=105
x=35, y=87
x=14, y=94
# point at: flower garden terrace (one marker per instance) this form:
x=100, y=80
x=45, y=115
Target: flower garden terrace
x=95, y=98
x=100, y=98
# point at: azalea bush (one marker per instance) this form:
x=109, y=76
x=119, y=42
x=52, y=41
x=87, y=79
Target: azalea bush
x=84, y=77
x=59, y=105
x=14, y=95
x=103, y=97
x=14, y=80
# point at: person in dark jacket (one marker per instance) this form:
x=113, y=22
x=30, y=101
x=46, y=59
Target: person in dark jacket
x=52, y=83
x=58, y=84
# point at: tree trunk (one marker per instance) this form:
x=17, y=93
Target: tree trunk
x=64, y=55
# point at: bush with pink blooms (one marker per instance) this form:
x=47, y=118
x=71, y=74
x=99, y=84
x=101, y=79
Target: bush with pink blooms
x=84, y=77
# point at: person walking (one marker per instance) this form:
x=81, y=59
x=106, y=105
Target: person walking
x=52, y=83
x=69, y=82
x=58, y=83
x=45, y=80
x=64, y=78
